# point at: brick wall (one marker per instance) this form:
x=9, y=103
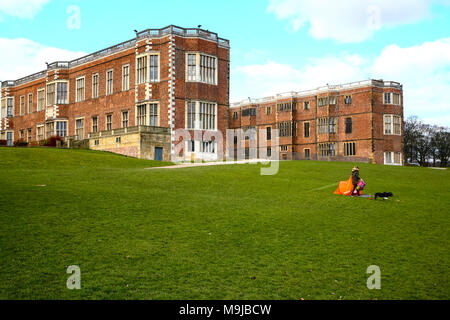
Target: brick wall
x=366, y=112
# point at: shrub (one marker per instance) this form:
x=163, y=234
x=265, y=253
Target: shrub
x=52, y=141
x=20, y=143
x=3, y=143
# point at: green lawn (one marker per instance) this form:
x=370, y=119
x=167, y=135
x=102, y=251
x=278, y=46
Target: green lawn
x=222, y=232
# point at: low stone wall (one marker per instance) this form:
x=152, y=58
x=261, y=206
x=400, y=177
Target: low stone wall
x=138, y=142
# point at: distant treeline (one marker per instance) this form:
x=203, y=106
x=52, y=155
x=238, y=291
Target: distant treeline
x=425, y=144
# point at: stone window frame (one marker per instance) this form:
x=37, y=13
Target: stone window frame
x=306, y=105
x=122, y=118
x=147, y=112
x=148, y=67
x=22, y=105
x=77, y=99
x=96, y=124
x=67, y=127
x=197, y=122
x=391, y=98
x=109, y=82
x=392, y=155
x=108, y=116
x=97, y=90
x=391, y=131
x=127, y=87
x=84, y=127
x=309, y=153
x=40, y=126
x=44, y=102
x=30, y=103
x=55, y=99
x=349, y=149
x=348, y=99
x=198, y=67
x=304, y=129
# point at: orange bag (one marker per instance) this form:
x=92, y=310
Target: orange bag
x=345, y=188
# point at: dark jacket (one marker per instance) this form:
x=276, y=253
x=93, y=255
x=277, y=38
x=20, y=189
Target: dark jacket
x=355, y=177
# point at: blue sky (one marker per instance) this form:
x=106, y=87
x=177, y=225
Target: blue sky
x=277, y=45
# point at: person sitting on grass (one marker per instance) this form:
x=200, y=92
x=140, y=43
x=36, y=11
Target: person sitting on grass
x=355, y=180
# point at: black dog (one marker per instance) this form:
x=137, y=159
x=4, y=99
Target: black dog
x=383, y=195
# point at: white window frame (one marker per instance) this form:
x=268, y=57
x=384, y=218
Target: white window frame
x=391, y=98
x=128, y=118
x=125, y=83
x=76, y=129
x=141, y=77
x=391, y=128
x=92, y=124
x=55, y=97
x=77, y=99
x=38, y=106
x=158, y=71
x=30, y=105
x=150, y=113
x=22, y=99
x=108, y=116
x=12, y=138
x=147, y=113
x=211, y=113
x=56, y=91
x=109, y=82
x=67, y=127
x=148, y=67
x=191, y=75
x=40, y=126
x=392, y=156
x=13, y=111
x=198, y=68
x=95, y=86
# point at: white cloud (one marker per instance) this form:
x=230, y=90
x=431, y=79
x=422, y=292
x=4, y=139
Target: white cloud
x=24, y=9
x=259, y=80
x=424, y=71
x=24, y=57
x=349, y=20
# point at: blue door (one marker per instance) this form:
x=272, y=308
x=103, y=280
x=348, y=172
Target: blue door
x=158, y=153
x=9, y=139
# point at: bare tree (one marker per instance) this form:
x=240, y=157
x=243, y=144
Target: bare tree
x=441, y=141
x=423, y=144
x=411, y=135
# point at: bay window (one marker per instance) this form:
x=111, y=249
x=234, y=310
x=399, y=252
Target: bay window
x=61, y=93
x=141, y=115
x=201, y=115
x=201, y=67
x=153, y=114
x=56, y=93
x=392, y=124
x=147, y=68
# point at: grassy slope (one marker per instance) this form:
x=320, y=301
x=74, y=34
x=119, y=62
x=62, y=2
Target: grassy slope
x=216, y=232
